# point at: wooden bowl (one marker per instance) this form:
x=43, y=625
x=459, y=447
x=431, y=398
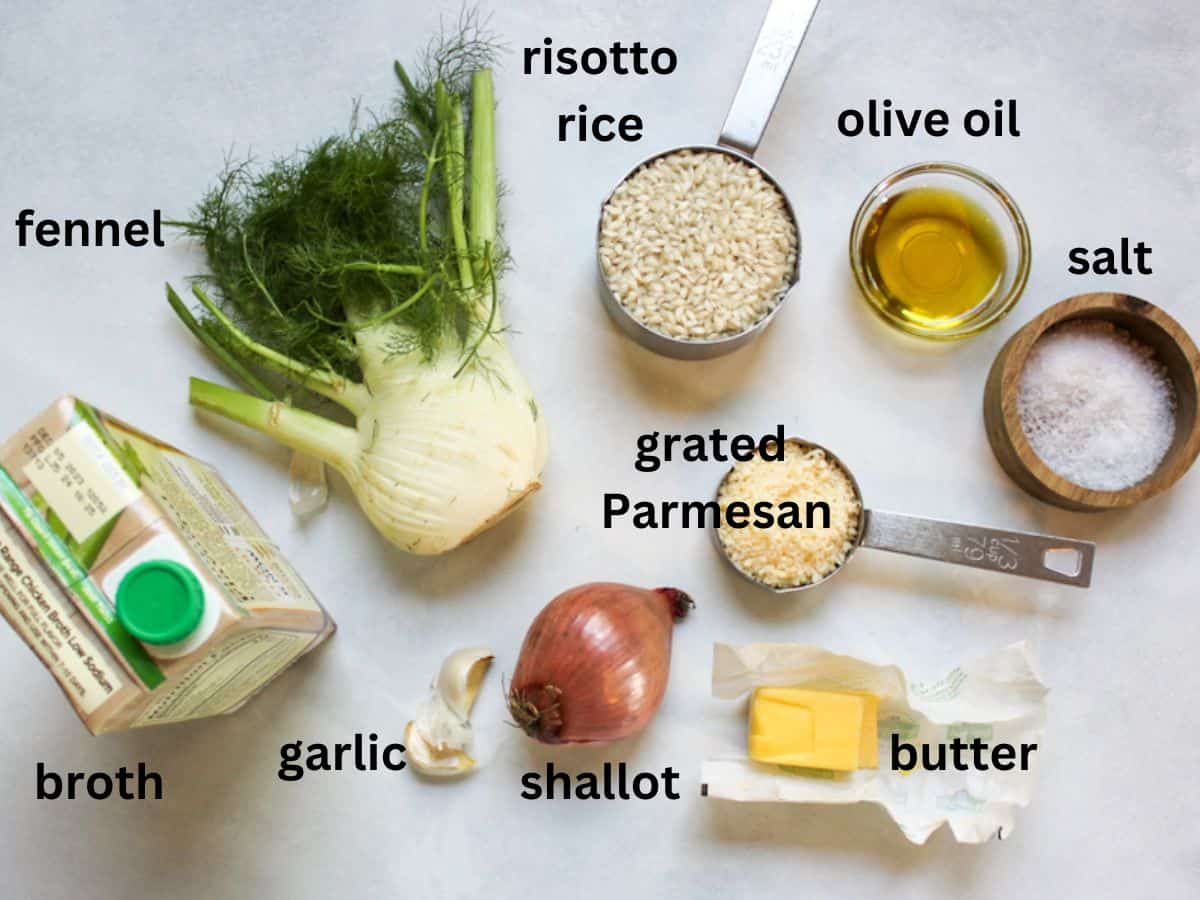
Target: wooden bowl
x=1143, y=321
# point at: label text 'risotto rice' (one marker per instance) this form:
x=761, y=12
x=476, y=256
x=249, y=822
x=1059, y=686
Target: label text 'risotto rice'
x=697, y=245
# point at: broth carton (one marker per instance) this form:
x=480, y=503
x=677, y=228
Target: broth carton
x=137, y=576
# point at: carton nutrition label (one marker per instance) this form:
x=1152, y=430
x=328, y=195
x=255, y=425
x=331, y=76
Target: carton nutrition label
x=54, y=629
x=226, y=678
x=219, y=529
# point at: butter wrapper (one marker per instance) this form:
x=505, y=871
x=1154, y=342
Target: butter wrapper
x=998, y=698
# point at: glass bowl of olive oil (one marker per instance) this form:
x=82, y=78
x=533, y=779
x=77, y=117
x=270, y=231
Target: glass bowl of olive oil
x=940, y=250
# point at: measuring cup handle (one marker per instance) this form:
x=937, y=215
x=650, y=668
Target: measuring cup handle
x=774, y=52
x=1015, y=552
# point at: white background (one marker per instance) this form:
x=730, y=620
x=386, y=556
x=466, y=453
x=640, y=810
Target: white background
x=114, y=109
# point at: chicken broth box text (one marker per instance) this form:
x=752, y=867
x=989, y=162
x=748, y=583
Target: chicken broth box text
x=137, y=576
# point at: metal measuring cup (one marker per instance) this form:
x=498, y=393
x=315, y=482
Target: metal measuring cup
x=1012, y=552
x=774, y=52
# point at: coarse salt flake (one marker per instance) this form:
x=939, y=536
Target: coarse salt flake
x=1097, y=405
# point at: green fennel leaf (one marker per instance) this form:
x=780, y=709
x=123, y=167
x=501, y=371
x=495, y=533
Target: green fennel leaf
x=361, y=229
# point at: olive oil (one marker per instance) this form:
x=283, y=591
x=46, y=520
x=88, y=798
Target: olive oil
x=935, y=255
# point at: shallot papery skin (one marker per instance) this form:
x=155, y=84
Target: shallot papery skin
x=594, y=663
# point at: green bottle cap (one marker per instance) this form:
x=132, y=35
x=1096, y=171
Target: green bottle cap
x=160, y=601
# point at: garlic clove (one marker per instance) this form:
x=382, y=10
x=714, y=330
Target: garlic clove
x=439, y=735
x=460, y=678
x=428, y=760
x=440, y=727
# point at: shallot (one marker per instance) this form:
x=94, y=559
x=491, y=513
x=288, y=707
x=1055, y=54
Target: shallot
x=594, y=663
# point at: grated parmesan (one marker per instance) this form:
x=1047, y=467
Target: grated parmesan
x=1097, y=405
x=789, y=557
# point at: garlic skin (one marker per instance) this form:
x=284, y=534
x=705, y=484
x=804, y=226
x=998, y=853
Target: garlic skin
x=439, y=735
x=308, y=489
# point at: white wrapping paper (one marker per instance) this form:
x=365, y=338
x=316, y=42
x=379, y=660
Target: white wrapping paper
x=998, y=698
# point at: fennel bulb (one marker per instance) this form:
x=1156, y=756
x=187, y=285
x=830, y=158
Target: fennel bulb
x=364, y=271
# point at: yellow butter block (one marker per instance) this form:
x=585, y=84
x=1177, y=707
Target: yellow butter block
x=815, y=729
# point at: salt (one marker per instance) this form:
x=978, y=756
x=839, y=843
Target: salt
x=1097, y=405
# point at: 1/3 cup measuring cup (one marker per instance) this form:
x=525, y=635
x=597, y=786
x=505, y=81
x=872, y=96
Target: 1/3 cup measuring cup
x=775, y=50
x=1045, y=557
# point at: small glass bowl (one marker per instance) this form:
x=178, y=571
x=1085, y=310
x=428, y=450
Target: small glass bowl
x=986, y=194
